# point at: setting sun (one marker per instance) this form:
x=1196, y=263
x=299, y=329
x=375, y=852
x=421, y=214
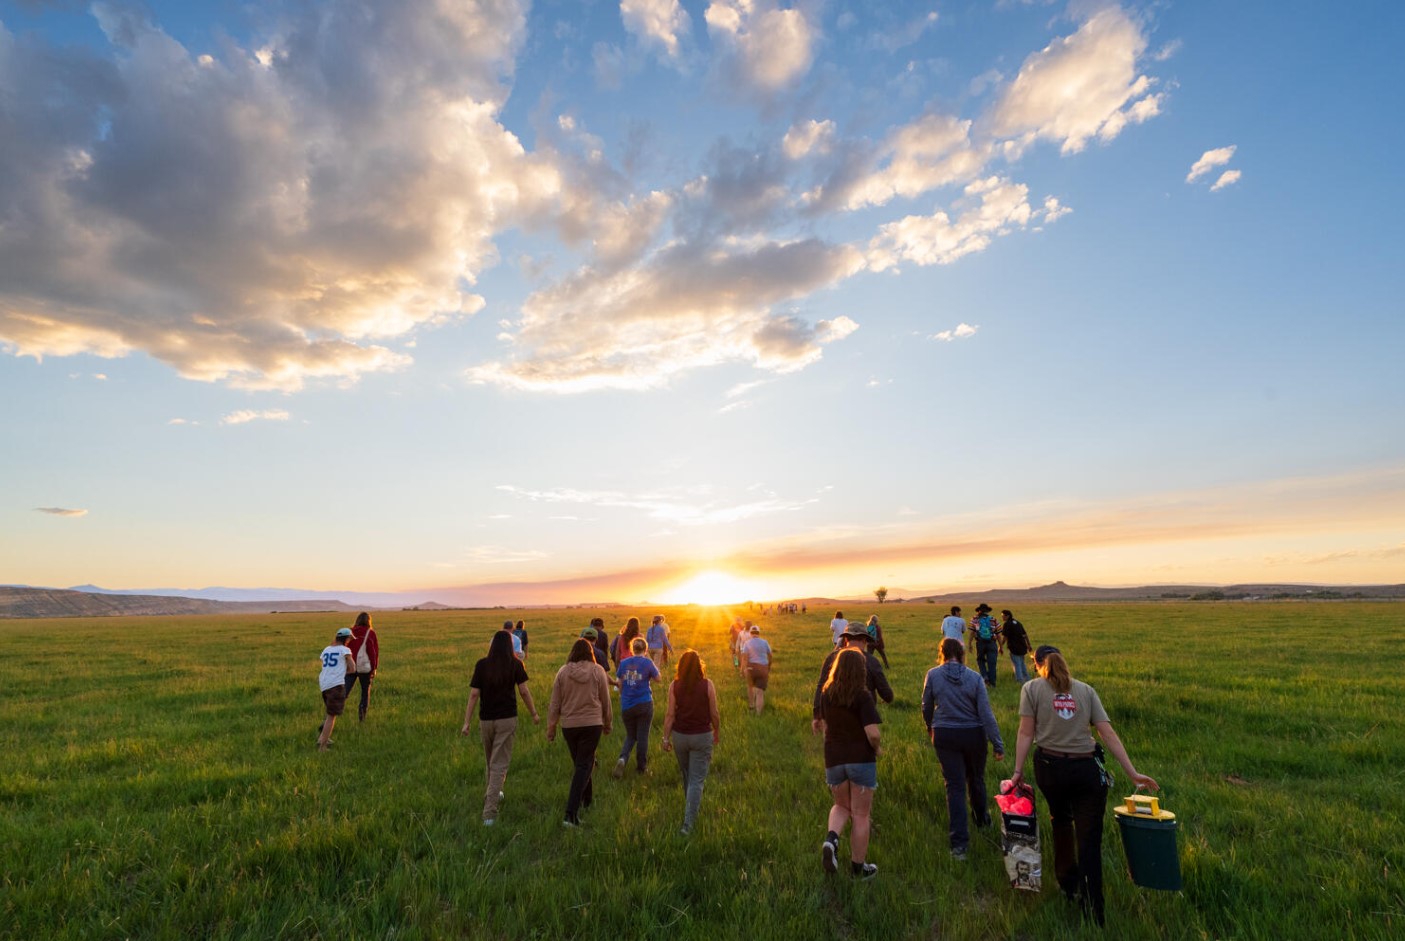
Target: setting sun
x=711, y=588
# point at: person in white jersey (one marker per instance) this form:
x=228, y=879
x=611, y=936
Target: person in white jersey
x=838, y=626
x=336, y=663
x=954, y=625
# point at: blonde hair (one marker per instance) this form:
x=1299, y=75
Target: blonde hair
x=848, y=678
x=1055, y=672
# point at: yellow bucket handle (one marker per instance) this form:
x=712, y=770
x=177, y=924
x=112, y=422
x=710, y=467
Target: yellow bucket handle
x=1143, y=805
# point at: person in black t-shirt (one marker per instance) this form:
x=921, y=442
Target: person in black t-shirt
x=497, y=681
x=1015, y=639
x=851, y=749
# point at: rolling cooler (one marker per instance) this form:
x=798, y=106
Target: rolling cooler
x=1019, y=837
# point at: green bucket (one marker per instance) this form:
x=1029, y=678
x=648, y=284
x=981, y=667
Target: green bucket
x=1149, y=837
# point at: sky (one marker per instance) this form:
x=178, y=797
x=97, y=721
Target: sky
x=504, y=303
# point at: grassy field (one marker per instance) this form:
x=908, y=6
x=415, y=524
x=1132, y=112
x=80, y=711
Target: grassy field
x=160, y=781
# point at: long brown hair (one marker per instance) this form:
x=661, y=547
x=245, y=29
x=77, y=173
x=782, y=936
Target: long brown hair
x=363, y=620
x=581, y=650
x=951, y=649
x=848, y=678
x=690, y=670
x=1055, y=672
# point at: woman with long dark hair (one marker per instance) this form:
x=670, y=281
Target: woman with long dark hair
x=959, y=722
x=851, y=749
x=619, y=647
x=1058, y=713
x=366, y=658
x=580, y=704
x=691, y=727
x=498, y=679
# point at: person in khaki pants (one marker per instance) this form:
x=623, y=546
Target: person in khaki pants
x=497, y=681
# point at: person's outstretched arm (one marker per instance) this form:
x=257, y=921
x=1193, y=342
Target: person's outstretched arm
x=1119, y=751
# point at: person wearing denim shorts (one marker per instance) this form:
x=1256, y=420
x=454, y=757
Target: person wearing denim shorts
x=849, y=719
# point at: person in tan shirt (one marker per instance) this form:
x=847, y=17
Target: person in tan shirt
x=580, y=705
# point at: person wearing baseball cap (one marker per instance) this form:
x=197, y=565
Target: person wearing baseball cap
x=857, y=637
x=336, y=663
x=757, y=659
x=1058, y=715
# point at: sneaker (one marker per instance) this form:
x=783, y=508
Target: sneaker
x=866, y=871
x=684, y=831
x=829, y=856
x=489, y=823
x=570, y=824
x=619, y=769
x=959, y=855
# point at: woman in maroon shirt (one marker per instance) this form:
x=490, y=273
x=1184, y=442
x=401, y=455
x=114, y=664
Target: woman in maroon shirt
x=691, y=726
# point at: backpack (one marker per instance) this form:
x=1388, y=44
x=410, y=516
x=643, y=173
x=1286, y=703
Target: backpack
x=985, y=627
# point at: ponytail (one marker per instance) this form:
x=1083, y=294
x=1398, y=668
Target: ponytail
x=1056, y=672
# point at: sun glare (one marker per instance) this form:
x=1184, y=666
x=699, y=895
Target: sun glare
x=711, y=588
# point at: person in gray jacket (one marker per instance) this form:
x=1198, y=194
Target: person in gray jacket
x=959, y=720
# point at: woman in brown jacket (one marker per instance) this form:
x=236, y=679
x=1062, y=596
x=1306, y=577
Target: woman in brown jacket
x=580, y=704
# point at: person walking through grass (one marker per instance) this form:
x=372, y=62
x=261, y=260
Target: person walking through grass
x=692, y=726
x=520, y=632
x=580, y=704
x=619, y=647
x=739, y=634
x=954, y=625
x=851, y=750
x=837, y=626
x=987, y=642
x=757, y=659
x=366, y=658
x=507, y=628
x=875, y=636
x=498, y=679
x=1015, y=640
x=959, y=720
x=1057, y=714
x=857, y=638
x=636, y=673
x=660, y=646
x=336, y=665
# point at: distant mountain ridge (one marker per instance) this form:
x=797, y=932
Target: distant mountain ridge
x=1062, y=591
x=25, y=602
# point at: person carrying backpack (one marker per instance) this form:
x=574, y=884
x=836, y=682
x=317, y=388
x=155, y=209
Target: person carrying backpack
x=986, y=635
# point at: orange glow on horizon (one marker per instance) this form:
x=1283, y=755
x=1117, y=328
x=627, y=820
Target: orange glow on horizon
x=711, y=588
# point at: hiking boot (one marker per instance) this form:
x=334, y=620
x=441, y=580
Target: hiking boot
x=829, y=856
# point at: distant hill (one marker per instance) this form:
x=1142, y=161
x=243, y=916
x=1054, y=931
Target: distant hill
x=1062, y=591
x=16, y=602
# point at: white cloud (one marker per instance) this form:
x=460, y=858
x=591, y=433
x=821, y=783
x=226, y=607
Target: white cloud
x=258, y=217
x=685, y=307
x=675, y=506
x=182, y=421
x=495, y=555
x=1227, y=178
x=660, y=23
x=246, y=415
x=935, y=150
x=771, y=46
x=806, y=136
x=1209, y=160
x=60, y=511
x=994, y=207
x=1079, y=87
x=960, y=332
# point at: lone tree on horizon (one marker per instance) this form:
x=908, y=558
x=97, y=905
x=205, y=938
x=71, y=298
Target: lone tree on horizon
x=880, y=593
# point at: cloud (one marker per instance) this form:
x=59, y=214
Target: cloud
x=60, y=511
x=1079, y=87
x=260, y=217
x=933, y=151
x=686, y=307
x=244, y=416
x=182, y=421
x=960, y=332
x=657, y=23
x=806, y=136
x=671, y=505
x=1209, y=160
x=995, y=207
x=1227, y=178
x=770, y=47
x=895, y=37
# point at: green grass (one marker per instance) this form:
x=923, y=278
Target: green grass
x=160, y=781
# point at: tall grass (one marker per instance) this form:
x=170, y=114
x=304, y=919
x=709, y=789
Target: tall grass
x=160, y=781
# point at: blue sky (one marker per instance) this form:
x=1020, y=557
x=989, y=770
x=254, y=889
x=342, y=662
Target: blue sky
x=574, y=301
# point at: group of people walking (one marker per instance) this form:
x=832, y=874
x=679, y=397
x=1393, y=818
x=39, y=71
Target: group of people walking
x=1059, y=718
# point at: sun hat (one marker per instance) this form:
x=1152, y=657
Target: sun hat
x=983, y=607
x=1044, y=651
x=344, y=632
x=855, y=630
x=755, y=629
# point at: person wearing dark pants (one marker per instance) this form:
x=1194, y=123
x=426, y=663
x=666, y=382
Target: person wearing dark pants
x=956, y=710
x=366, y=660
x=986, y=635
x=636, y=672
x=1060, y=714
x=580, y=704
